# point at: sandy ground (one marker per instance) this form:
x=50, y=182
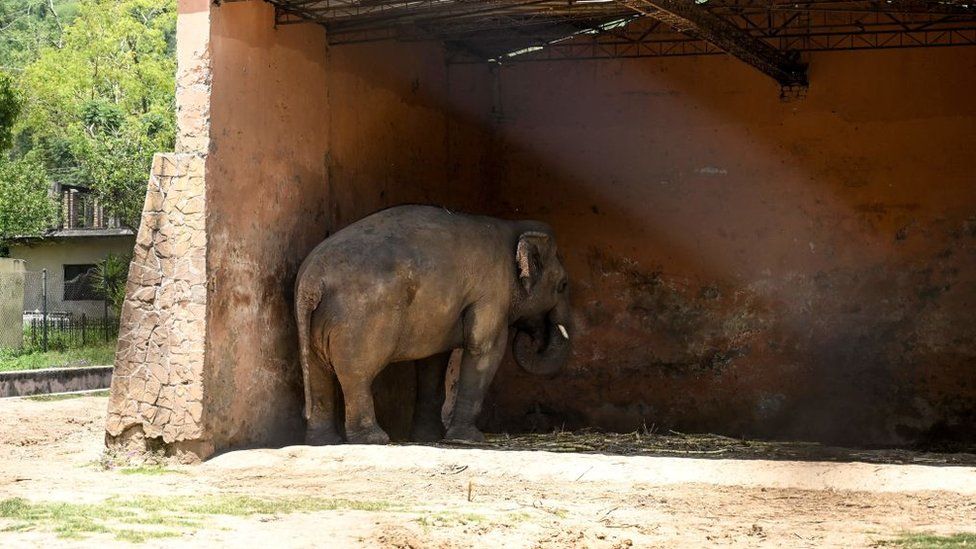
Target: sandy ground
x=449, y=497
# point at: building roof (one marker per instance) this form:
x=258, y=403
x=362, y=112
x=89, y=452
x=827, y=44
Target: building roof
x=767, y=34
x=65, y=234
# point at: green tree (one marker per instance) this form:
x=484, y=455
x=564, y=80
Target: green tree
x=9, y=110
x=27, y=26
x=110, y=277
x=98, y=104
x=26, y=207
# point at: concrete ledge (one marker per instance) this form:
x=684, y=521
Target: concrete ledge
x=54, y=380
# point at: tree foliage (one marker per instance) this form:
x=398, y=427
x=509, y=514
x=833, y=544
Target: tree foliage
x=9, y=110
x=110, y=277
x=27, y=26
x=95, y=82
x=102, y=103
x=25, y=204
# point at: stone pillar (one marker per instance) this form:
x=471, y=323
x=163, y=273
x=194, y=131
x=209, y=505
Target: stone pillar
x=206, y=358
x=157, y=395
x=157, y=388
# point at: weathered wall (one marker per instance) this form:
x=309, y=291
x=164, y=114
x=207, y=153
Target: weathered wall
x=747, y=266
x=305, y=140
x=68, y=379
x=405, y=129
x=739, y=265
x=266, y=195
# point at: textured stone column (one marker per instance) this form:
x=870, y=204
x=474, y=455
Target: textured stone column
x=157, y=389
x=157, y=395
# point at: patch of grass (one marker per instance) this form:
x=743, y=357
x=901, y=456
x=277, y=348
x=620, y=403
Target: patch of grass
x=150, y=470
x=139, y=519
x=247, y=505
x=931, y=541
x=97, y=355
x=67, y=396
x=451, y=519
x=448, y=519
x=519, y=517
x=75, y=520
x=142, y=536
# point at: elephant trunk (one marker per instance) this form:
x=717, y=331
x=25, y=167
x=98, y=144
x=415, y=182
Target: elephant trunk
x=543, y=351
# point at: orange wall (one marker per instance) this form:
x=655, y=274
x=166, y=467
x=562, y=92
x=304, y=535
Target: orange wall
x=266, y=196
x=748, y=266
x=400, y=133
x=305, y=140
x=739, y=265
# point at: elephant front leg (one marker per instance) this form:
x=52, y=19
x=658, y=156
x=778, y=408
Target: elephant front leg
x=478, y=366
x=427, y=423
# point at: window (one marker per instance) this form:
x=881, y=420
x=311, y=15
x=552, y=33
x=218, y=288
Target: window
x=78, y=284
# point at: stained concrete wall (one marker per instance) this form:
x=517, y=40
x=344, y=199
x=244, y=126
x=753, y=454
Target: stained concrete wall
x=305, y=140
x=54, y=380
x=746, y=266
x=267, y=195
x=405, y=129
x=739, y=265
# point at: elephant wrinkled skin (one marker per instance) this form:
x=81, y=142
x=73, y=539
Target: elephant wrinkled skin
x=414, y=283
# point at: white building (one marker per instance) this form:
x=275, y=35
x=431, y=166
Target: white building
x=69, y=253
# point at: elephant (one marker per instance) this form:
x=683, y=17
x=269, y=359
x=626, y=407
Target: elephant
x=413, y=283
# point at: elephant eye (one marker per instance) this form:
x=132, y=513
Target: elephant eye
x=562, y=286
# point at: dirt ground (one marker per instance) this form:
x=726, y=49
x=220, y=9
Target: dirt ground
x=687, y=492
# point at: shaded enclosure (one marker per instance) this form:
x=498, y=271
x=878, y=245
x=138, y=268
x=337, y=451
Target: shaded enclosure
x=739, y=264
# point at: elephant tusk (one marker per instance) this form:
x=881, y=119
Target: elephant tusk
x=562, y=330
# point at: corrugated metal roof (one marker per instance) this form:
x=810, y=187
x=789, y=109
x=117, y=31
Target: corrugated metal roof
x=499, y=30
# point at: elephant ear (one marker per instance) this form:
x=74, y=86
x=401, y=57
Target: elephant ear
x=528, y=255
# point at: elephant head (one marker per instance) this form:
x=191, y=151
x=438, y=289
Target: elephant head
x=542, y=337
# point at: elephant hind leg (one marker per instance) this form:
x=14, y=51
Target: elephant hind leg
x=427, y=423
x=321, y=428
x=357, y=382
x=359, y=349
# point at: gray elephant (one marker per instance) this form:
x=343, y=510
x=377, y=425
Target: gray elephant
x=415, y=283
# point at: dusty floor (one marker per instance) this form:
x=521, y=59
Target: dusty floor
x=414, y=496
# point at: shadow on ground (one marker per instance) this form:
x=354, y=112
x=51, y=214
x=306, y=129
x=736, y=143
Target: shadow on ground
x=708, y=446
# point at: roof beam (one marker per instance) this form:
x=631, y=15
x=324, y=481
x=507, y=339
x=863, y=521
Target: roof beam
x=688, y=17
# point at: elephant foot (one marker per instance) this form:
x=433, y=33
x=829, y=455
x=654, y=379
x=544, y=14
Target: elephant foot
x=322, y=436
x=465, y=432
x=427, y=432
x=368, y=436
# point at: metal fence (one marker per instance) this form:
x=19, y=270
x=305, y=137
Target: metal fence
x=55, y=311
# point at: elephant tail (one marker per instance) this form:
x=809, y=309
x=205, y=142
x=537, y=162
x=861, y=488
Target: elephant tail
x=306, y=301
